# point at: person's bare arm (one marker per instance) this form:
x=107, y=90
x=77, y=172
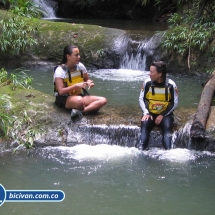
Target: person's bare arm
x=90, y=82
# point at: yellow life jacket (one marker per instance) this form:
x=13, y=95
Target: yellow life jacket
x=72, y=78
x=158, y=98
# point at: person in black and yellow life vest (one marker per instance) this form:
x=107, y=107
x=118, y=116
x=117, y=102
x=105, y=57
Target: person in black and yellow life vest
x=158, y=98
x=70, y=81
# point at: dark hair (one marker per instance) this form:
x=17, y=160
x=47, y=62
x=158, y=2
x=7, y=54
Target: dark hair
x=160, y=67
x=67, y=51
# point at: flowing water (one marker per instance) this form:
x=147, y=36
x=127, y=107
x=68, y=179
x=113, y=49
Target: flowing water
x=106, y=179
x=110, y=179
x=47, y=7
x=124, y=84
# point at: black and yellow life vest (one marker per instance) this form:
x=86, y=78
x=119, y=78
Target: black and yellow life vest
x=158, y=98
x=72, y=78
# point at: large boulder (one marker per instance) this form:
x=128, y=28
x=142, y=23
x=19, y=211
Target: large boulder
x=112, y=125
x=99, y=46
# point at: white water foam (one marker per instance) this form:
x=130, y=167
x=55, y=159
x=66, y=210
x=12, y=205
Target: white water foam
x=98, y=152
x=120, y=74
x=106, y=152
x=175, y=155
x=104, y=126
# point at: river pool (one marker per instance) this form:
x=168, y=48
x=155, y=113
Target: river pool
x=110, y=179
x=105, y=179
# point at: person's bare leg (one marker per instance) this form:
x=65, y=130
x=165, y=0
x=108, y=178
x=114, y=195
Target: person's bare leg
x=75, y=102
x=85, y=104
x=93, y=103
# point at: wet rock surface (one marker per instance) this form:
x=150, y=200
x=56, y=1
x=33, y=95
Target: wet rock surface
x=118, y=125
x=115, y=125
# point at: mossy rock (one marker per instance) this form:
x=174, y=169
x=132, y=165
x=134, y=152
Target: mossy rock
x=52, y=37
x=44, y=113
x=59, y=129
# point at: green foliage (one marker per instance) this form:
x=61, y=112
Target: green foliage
x=26, y=8
x=192, y=31
x=209, y=71
x=3, y=76
x=21, y=79
x=17, y=35
x=181, y=38
x=23, y=130
x=101, y=53
x=5, y=119
x=18, y=128
x=16, y=79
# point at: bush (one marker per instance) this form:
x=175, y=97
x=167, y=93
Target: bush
x=25, y=8
x=18, y=128
x=17, y=35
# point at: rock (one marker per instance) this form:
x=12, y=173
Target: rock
x=111, y=125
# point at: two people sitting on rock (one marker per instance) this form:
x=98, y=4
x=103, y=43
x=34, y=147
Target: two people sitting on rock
x=158, y=96
x=158, y=99
x=70, y=81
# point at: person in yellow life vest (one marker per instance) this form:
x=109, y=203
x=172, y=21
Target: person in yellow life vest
x=70, y=81
x=158, y=99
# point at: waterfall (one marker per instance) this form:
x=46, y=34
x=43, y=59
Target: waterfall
x=134, y=61
x=181, y=138
x=135, y=56
x=47, y=7
x=139, y=51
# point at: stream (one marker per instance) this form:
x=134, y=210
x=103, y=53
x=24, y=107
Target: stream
x=111, y=179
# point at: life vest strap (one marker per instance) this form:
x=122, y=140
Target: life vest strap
x=153, y=88
x=166, y=88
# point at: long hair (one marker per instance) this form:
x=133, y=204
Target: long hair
x=160, y=67
x=67, y=51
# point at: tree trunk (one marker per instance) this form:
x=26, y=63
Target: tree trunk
x=198, y=128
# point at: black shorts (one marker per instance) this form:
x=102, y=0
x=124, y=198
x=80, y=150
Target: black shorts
x=60, y=101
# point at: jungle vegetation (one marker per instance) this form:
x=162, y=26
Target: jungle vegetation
x=16, y=127
x=16, y=37
x=191, y=25
x=17, y=33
